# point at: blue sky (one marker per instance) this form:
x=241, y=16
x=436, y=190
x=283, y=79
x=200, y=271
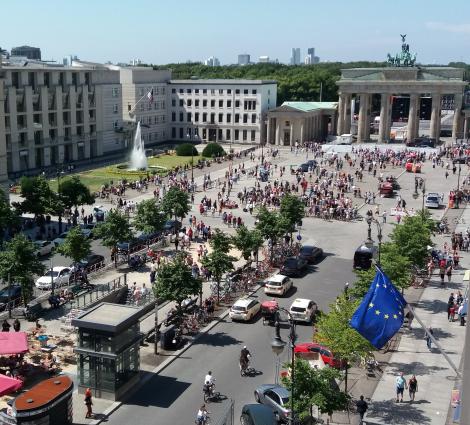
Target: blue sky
x=176, y=31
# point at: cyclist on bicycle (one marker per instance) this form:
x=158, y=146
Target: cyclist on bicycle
x=209, y=382
x=202, y=414
x=245, y=356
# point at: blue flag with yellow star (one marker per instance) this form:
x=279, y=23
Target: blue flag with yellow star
x=380, y=314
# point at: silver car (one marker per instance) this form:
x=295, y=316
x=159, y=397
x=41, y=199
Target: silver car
x=277, y=398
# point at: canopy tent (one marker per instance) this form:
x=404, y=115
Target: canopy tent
x=13, y=343
x=9, y=385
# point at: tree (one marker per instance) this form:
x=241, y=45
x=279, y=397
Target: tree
x=315, y=387
x=20, y=262
x=213, y=150
x=114, y=229
x=247, y=241
x=186, y=149
x=176, y=203
x=149, y=217
x=293, y=210
x=8, y=216
x=272, y=226
x=413, y=237
x=334, y=330
x=73, y=192
x=175, y=282
x=76, y=245
x=219, y=262
x=39, y=198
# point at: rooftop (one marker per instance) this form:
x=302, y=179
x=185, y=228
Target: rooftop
x=305, y=106
x=222, y=81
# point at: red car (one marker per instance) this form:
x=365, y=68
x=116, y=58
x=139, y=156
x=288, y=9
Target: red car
x=325, y=353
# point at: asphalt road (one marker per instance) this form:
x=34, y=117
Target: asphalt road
x=174, y=395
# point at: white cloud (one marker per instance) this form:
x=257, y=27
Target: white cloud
x=443, y=26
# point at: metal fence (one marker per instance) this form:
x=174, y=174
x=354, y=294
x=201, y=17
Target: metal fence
x=83, y=300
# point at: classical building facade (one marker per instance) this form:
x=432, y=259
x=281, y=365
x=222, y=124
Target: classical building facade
x=415, y=81
x=226, y=111
x=299, y=122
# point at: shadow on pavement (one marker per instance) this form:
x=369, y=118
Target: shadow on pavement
x=434, y=306
x=218, y=339
x=413, y=368
x=392, y=413
x=439, y=333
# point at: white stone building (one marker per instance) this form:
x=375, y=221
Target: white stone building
x=225, y=111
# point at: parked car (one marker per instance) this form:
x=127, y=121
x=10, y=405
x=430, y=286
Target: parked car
x=60, y=276
x=434, y=200
x=303, y=310
x=130, y=246
x=275, y=397
x=88, y=233
x=92, y=262
x=325, y=353
x=171, y=226
x=146, y=238
x=304, y=167
x=99, y=213
x=59, y=240
x=312, y=163
x=311, y=253
x=244, y=309
x=278, y=285
x=15, y=296
x=293, y=266
x=43, y=248
x=363, y=257
x=257, y=414
x=422, y=142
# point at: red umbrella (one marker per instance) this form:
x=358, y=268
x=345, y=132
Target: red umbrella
x=13, y=343
x=9, y=385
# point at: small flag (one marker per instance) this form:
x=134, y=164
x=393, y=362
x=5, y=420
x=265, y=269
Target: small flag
x=150, y=96
x=380, y=314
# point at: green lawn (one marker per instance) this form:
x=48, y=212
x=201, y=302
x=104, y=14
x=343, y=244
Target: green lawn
x=96, y=178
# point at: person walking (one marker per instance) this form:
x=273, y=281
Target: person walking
x=361, y=406
x=400, y=384
x=449, y=272
x=412, y=387
x=88, y=404
x=6, y=326
x=428, y=337
x=16, y=325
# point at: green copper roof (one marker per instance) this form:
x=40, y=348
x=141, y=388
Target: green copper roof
x=311, y=106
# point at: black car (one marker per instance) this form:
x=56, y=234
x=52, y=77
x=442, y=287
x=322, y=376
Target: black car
x=257, y=414
x=172, y=226
x=130, y=246
x=312, y=163
x=147, y=238
x=363, y=257
x=311, y=253
x=422, y=142
x=304, y=167
x=92, y=262
x=15, y=296
x=293, y=266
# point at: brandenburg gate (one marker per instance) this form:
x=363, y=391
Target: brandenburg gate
x=401, y=77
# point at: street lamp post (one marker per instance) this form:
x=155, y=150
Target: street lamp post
x=278, y=345
x=370, y=242
x=457, y=196
x=420, y=182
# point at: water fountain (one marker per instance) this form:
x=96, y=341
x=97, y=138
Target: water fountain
x=138, y=159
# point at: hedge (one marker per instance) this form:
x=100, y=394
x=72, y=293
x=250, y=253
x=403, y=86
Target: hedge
x=186, y=149
x=213, y=150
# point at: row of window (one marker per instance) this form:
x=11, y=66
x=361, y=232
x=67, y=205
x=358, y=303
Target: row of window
x=158, y=135
x=157, y=90
x=213, y=91
x=228, y=117
x=151, y=120
x=148, y=106
x=214, y=134
x=248, y=105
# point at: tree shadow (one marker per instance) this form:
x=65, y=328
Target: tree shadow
x=218, y=339
x=438, y=333
x=433, y=306
x=413, y=368
x=393, y=413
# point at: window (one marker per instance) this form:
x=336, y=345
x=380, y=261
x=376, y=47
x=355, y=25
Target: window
x=204, y=91
x=212, y=118
x=237, y=104
x=173, y=116
x=204, y=117
x=221, y=91
x=196, y=117
x=237, y=91
x=173, y=102
x=188, y=91
x=115, y=92
x=212, y=91
x=141, y=92
x=220, y=135
x=181, y=133
x=221, y=117
x=229, y=91
x=204, y=103
x=181, y=117
x=173, y=91
x=253, y=91
x=237, y=118
x=237, y=135
x=245, y=91
x=115, y=108
x=229, y=118
x=181, y=102
x=196, y=91
x=229, y=103
x=253, y=118
x=245, y=134
x=196, y=103
x=188, y=116
x=245, y=118
x=253, y=135
x=212, y=103
x=129, y=107
x=173, y=131
x=221, y=103
x=227, y=134
x=181, y=91
x=189, y=102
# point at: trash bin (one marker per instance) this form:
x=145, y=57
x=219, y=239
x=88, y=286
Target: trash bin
x=166, y=337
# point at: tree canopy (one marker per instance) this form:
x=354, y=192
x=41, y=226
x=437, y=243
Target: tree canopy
x=149, y=216
x=73, y=192
x=114, y=229
x=76, y=245
x=292, y=209
x=247, y=241
x=39, y=198
x=176, y=203
x=8, y=216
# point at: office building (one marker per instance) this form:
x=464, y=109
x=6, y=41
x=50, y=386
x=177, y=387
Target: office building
x=224, y=111
x=309, y=59
x=244, y=59
x=212, y=61
x=295, y=56
x=27, y=52
x=263, y=59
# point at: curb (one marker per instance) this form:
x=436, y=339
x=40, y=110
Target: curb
x=107, y=412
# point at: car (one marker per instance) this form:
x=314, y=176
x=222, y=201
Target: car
x=43, y=248
x=15, y=296
x=147, y=238
x=434, y=200
x=293, y=266
x=99, y=213
x=303, y=310
x=304, y=167
x=130, y=246
x=312, y=163
x=88, y=233
x=91, y=227
x=277, y=285
x=59, y=240
x=244, y=309
x=325, y=353
x=257, y=414
x=422, y=142
x=92, y=262
x=60, y=276
x=275, y=397
x=171, y=226
x=311, y=253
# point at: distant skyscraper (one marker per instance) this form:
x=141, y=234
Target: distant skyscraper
x=212, y=61
x=309, y=59
x=263, y=59
x=295, y=57
x=243, y=59
x=28, y=51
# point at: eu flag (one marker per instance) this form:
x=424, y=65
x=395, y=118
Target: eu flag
x=380, y=314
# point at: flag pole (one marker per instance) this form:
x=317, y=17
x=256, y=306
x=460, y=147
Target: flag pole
x=441, y=350
x=135, y=105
